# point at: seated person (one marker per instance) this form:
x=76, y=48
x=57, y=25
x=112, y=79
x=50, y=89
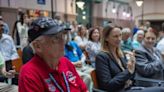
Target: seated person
x=8, y=50
x=149, y=62
x=126, y=43
x=48, y=70
x=27, y=52
x=160, y=42
x=10, y=74
x=93, y=45
x=75, y=55
x=113, y=74
x=160, y=46
x=137, y=39
x=81, y=39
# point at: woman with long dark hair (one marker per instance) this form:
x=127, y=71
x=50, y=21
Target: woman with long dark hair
x=93, y=46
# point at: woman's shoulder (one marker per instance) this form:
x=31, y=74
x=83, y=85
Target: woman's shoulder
x=103, y=55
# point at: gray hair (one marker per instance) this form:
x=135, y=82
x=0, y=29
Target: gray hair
x=126, y=30
x=40, y=38
x=32, y=47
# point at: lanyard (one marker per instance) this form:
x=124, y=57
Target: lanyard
x=57, y=85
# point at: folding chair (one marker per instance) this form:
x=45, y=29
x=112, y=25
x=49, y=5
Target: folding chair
x=95, y=84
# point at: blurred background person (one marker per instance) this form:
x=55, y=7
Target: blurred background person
x=149, y=62
x=27, y=52
x=19, y=32
x=8, y=50
x=74, y=53
x=74, y=30
x=126, y=43
x=137, y=39
x=81, y=39
x=160, y=43
x=93, y=46
x=10, y=74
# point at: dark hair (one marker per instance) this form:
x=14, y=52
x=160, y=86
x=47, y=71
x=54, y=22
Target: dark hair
x=104, y=44
x=106, y=31
x=68, y=47
x=79, y=30
x=1, y=18
x=153, y=30
x=22, y=18
x=91, y=30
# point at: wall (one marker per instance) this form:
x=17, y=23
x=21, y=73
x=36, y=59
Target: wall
x=59, y=7
x=32, y=4
x=100, y=14
x=153, y=10
x=9, y=16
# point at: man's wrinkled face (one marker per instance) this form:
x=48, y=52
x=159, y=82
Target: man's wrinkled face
x=53, y=46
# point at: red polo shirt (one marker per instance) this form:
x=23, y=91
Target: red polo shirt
x=34, y=77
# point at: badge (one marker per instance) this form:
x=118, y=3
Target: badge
x=71, y=77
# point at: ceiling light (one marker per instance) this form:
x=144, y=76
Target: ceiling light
x=139, y=3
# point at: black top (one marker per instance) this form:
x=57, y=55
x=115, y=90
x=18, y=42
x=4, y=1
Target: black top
x=27, y=54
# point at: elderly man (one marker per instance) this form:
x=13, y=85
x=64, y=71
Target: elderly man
x=48, y=70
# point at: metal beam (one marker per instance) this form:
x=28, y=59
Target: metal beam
x=118, y=1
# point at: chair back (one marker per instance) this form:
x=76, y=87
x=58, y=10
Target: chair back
x=94, y=79
x=18, y=62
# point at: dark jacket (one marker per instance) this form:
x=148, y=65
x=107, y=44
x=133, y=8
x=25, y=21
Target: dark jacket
x=27, y=54
x=149, y=64
x=109, y=75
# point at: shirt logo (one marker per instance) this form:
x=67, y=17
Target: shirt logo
x=71, y=77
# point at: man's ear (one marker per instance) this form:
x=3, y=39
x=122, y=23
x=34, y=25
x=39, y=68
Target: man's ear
x=37, y=46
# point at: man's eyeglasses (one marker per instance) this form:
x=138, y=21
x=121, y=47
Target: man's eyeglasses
x=59, y=37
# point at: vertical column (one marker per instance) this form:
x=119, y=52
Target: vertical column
x=52, y=9
x=91, y=12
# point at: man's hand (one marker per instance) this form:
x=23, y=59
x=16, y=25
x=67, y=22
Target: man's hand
x=10, y=73
x=77, y=64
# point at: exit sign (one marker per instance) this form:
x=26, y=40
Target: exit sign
x=41, y=2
